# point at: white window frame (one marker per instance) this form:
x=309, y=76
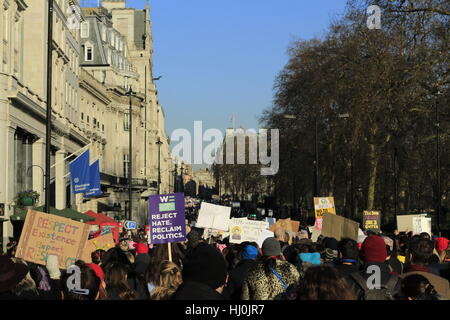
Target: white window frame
x=84, y=33
x=88, y=46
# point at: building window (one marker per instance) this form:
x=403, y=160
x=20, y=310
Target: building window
x=82, y=116
x=103, y=33
x=126, y=165
x=126, y=121
x=89, y=53
x=85, y=30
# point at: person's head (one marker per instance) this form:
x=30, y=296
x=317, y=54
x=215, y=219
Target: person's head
x=421, y=251
x=373, y=250
x=88, y=281
x=417, y=287
x=324, y=283
x=141, y=248
x=11, y=273
x=291, y=254
x=271, y=247
x=205, y=264
x=250, y=252
x=27, y=284
x=169, y=280
x=280, y=234
x=348, y=249
x=425, y=235
x=330, y=243
x=97, y=256
x=116, y=275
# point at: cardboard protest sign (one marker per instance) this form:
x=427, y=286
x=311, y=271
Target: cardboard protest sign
x=213, y=216
x=284, y=224
x=322, y=206
x=105, y=242
x=46, y=234
x=372, y=220
x=338, y=227
x=167, y=218
x=295, y=225
x=242, y=230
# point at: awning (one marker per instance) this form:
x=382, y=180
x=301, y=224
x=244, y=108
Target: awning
x=20, y=214
x=99, y=218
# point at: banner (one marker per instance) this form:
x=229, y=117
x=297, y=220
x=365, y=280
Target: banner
x=45, y=234
x=94, y=180
x=105, y=242
x=322, y=206
x=212, y=216
x=338, y=227
x=79, y=173
x=167, y=218
x=263, y=236
x=372, y=220
x=242, y=229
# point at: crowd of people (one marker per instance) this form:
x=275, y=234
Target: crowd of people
x=285, y=267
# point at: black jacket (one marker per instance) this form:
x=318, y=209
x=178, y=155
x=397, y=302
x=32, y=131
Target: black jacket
x=385, y=275
x=191, y=290
x=233, y=290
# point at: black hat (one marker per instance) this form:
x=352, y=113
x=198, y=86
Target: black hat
x=330, y=243
x=11, y=273
x=206, y=265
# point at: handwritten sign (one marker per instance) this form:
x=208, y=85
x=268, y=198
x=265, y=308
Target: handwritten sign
x=242, y=230
x=322, y=206
x=46, y=234
x=372, y=220
x=105, y=242
x=212, y=216
x=167, y=218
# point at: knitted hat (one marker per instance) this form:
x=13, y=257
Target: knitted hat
x=141, y=248
x=373, y=249
x=206, y=265
x=330, y=243
x=249, y=253
x=330, y=254
x=11, y=273
x=441, y=244
x=271, y=247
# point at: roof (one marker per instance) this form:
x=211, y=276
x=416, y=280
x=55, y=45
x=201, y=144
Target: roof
x=20, y=214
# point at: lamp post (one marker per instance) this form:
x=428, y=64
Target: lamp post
x=48, y=129
x=159, y=143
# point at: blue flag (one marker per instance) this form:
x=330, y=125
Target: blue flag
x=79, y=172
x=94, y=175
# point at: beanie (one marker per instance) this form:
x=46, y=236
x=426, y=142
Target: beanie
x=206, y=265
x=441, y=244
x=373, y=249
x=141, y=248
x=249, y=253
x=330, y=243
x=271, y=247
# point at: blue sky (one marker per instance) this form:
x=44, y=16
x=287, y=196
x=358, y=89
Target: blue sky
x=218, y=57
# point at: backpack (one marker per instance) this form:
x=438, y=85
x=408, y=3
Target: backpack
x=384, y=293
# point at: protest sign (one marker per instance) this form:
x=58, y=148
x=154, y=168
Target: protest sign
x=213, y=216
x=263, y=236
x=338, y=227
x=167, y=218
x=322, y=206
x=46, y=234
x=242, y=230
x=271, y=221
x=372, y=220
x=105, y=242
x=416, y=223
x=295, y=225
x=285, y=224
x=314, y=233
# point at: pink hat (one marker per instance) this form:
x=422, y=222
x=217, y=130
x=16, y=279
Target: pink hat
x=97, y=269
x=441, y=244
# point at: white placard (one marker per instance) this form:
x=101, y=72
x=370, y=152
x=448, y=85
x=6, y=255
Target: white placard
x=212, y=216
x=263, y=236
x=242, y=230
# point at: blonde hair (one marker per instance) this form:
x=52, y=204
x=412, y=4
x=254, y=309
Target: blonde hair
x=169, y=281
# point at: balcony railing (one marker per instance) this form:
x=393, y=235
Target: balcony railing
x=122, y=181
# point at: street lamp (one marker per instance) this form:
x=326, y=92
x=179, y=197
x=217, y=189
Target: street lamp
x=159, y=143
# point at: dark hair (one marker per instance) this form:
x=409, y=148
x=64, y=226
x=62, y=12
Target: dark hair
x=323, y=283
x=114, y=255
x=425, y=235
x=116, y=279
x=89, y=281
x=418, y=287
x=348, y=248
x=291, y=254
x=421, y=250
x=97, y=256
x=157, y=256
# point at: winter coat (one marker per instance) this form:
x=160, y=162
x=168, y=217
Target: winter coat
x=440, y=284
x=259, y=285
x=192, y=290
x=233, y=290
